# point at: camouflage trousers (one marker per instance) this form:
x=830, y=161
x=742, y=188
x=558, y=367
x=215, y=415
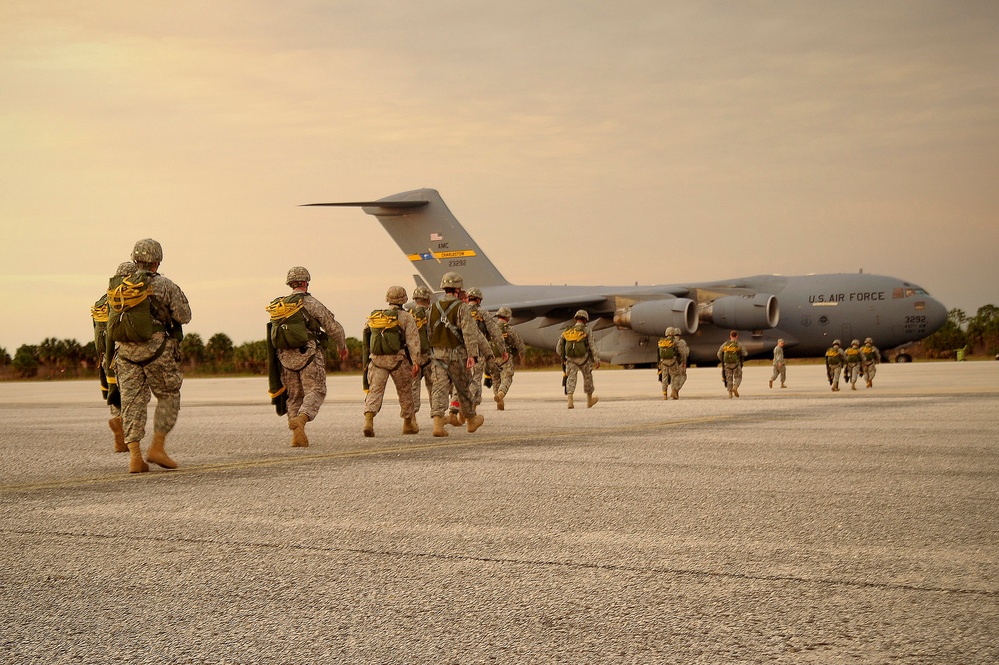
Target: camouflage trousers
x=449, y=370
x=425, y=376
x=161, y=377
x=379, y=370
x=733, y=376
x=870, y=369
x=306, y=387
x=572, y=367
x=673, y=374
x=780, y=371
x=835, y=371
x=478, y=373
x=853, y=373
x=501, y=374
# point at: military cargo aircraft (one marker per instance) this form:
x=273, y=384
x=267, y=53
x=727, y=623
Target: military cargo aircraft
x=806, y=311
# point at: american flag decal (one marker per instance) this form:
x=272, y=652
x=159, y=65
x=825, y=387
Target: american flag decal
x=436, y=237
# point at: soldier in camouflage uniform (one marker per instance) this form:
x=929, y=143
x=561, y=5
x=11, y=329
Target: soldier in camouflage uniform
x=673, y=354
x=578, y=352
x=420, y=312
x=105, y=366
x=501, y=373
x=153, y=367
x=389, y=329
x=731, y=354
x=872, y=358
x=491, y=341
x=780, y=367
x=854, y=363
x=835, y=360
x=455, y=350
x=303, y=370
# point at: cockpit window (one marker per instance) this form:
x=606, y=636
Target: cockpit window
x=907, y=293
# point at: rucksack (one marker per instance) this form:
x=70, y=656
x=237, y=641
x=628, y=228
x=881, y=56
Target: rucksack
x=443, y=331
x=667, y=349
x=853, y=355
x=575, y=342
x=833, y=356
x=868, y=352
x=421, y=318
x=730, y=353
x=291, y=326
x=385, y=336
x=130, y=316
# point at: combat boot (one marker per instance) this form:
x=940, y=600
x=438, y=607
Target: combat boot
x=475, y=422
x=665, y=395
x=157, y=455
x=119, y=435
x=771, y=383
x=591, y=399
x=297, y=425
x=135, y=463
x=499, y=400
x=453, y=421
x=730, y=395
x=409, y=426
x=439, y=426
x=735, y=391
x=676, y=395
x=369, y=423
x=570, y=404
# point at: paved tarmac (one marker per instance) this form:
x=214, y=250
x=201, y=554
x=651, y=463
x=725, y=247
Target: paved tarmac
x=786, y=526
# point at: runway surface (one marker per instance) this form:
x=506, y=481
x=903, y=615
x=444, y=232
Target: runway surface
x=786, y=526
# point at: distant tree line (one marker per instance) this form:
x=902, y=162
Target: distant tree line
x=977, y=334
x=67, y=358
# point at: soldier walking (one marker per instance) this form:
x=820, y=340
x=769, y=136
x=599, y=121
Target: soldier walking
x=872, y=358
x=105, y=362
x=835, y=360
x=420, y=313
x=731, y=354
x=501, y=372
x=579, y=354
x=780, y=367
x=146, y=312
x=391, y=345
x=491, y=342
x=673, y=354
x=455, y=350
x=854, y=363
x=299, y=323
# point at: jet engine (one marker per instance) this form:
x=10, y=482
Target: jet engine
x=652, y=317
x=755, y=312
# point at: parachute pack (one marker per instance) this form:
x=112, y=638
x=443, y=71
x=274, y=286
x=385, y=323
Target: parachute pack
x=730, y=353
x=130, y=316
x=853, y=356
x=667, y=349
x=385, y=336
x=291, y=326
x=575, y=342
x=833, y=356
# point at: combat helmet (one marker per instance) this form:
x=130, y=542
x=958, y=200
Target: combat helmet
x=452, y=280
x=298, y=274
x=147, y=251
x=475, y=292
x=582, y=314
x=125, y=269
x=422, y=293
x=868, y=341
x=396, y=295
x=855, y=342
x=836, y=342
x=504, y=313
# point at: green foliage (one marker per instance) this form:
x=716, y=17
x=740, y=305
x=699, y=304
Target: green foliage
x=251, y=357
x=26, y=361
x=4, y=356
x=219, y=349
x=535, y=357
x=192, y=349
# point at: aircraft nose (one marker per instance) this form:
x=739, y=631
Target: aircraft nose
x=936, y=314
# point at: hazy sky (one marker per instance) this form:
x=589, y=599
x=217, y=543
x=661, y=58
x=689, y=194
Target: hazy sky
x=578, y=142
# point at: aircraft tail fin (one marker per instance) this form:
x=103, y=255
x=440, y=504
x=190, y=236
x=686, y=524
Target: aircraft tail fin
x=431, y=237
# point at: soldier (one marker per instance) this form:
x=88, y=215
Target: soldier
x=579, y=354
x=854, y=360
x=872, y=358
x=491, y=341
x=420, y=312
x=780, y=367
x=455, y=348
x=149, y=366
x=835, y=359
x=299, y=322
x=673, y=353
x=105, y=366
x=503, y=371
x=731, y=354
x=391, y=346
